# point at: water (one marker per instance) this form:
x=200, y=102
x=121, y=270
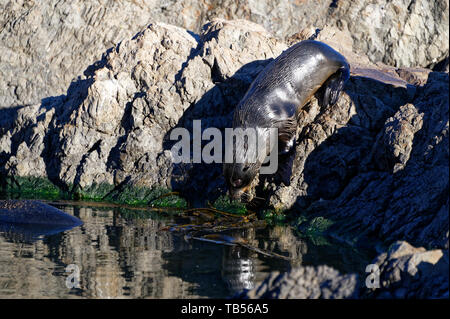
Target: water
x=122, y=254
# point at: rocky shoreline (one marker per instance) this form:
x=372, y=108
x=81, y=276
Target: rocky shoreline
x=374, y=166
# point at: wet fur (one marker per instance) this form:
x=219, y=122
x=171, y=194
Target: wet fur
x=280, y=91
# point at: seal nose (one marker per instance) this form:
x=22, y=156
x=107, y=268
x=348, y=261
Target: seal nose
x=237, y=183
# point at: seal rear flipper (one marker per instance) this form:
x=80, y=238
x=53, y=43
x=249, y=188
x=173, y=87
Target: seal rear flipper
x=334, y=86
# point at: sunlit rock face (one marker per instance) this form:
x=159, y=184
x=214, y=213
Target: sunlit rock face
x=47, y=44
x=114, y=125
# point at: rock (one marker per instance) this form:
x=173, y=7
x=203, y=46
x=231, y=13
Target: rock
x=305, y=282
x=46, y=45
x=35, y=212
x=113, y=127
x=404, y=272
x=401, y=33
x=394, y=144
x=409, y=272
x=397, y=185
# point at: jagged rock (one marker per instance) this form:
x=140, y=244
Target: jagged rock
x=305, y=282
x=394, y=144
x=397, y=185
x=402, y=33
x=113, y=126
x=409, y=272
x=47, y=44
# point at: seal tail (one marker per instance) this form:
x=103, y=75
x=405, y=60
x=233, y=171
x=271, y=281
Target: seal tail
x=334, y=86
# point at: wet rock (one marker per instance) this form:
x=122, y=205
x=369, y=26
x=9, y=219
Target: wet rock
x=305, y=282
x=46, y=45
x=34, y=212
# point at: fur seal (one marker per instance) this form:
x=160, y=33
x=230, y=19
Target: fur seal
x=275, y=98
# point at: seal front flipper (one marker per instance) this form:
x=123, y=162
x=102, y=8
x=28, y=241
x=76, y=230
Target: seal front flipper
x=287, y=130
x=285, y=164
x=333, y=87
x=287, y=133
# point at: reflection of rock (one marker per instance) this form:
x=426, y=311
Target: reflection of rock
x=46, y=44
x=242, y=268
x=123, y=258
x=25, y=277
x=239, y=269
x=405, y=272
x=117, y=259
x=283, y=240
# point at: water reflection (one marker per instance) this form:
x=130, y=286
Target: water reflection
x=123, y=257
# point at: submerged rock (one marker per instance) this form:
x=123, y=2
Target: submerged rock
x=34, y=212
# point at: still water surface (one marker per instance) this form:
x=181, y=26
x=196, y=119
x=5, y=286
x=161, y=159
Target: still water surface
x=122, y=254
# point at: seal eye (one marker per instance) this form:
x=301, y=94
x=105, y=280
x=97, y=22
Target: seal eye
x=237, y=183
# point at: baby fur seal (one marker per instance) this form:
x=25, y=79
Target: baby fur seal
x=275, y=98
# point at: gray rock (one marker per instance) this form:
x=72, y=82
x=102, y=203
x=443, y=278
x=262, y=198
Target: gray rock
x=113, y=127
x=404, y=272
x=305, y=282
x=397, y=185
x=46, y=45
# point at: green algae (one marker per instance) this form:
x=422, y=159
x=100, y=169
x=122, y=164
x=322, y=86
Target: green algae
x=43, y=188
x=32, y=187
x=223, y=203
x=273, y=217
x=313, y=229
